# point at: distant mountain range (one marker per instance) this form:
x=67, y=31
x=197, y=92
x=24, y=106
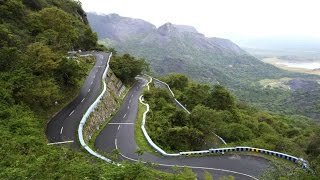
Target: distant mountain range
x=182, y=49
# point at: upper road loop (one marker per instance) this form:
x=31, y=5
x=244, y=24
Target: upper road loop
x=63, y=126
x=119, y=133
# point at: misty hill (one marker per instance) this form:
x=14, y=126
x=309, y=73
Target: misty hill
x=179, y=48
x=117, y=28
x=182, y=49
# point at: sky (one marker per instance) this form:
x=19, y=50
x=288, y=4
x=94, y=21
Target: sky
x=223, y=18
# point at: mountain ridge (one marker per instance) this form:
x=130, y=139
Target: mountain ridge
x=166, y=45
x=182, y=49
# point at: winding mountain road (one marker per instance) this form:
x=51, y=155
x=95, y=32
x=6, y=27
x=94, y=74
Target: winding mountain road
x=62, y=128
x=119, y=134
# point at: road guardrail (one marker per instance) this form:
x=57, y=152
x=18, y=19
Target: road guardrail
x=304, y=163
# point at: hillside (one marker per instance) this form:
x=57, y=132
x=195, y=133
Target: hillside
x=216, y=110
x=36, y=80
x=182, y=49
x=176, y=48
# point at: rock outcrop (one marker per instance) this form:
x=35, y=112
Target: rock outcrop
x=107, y=107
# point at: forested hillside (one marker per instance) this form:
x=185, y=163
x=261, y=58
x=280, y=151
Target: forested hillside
x=36, y=80
x=215, y=110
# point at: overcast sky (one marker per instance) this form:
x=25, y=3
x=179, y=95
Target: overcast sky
x=222, y=18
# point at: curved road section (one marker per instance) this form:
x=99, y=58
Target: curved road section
x=62, y=128
x=119, y=134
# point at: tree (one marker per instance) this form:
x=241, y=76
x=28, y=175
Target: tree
x=12, y=11
x=127, y=67
x=201, y=118
x=177, y=81
x=265, y=128
x=207, y=176
x=313, y=148
x=41, y=60
x=194, y=94
x=61, y=24
x=40, y=93
x=179, y=118
x=185, y=138
x=220, y=99
x=69, y=73
x=237, y=132
x=35, y=4
x=87, y=39
x=8, y=58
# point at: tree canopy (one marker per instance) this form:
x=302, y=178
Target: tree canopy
x=35, y=73
x=215, y=110
x=127, y=67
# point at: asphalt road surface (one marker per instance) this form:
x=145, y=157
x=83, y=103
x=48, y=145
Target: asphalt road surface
x=119, y=134
x=63, y=126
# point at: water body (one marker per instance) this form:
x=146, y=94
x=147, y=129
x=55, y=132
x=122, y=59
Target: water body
x=304, y=65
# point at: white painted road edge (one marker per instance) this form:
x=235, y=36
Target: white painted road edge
x=218, y=150
x=192, y=167
x=94, y=105
x=182, y=106
x=63, y=142
x=88, y=112
x=146, y=135
x=222, y=140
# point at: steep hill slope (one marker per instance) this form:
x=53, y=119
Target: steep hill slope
x=35, y=36
x=178, y=48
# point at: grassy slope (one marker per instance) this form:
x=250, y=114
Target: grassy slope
x=140, y=139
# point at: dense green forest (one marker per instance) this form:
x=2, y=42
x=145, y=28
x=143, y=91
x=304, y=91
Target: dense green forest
x=127, y=67
x=35, y=36
x=214, y=109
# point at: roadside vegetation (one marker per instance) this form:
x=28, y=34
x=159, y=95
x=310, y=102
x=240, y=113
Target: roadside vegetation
x=35, y=74
x=140, y=139
x=241, y=73
x=127, y=67
x=214, y=109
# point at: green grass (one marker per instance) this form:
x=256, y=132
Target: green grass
x=140, y=139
